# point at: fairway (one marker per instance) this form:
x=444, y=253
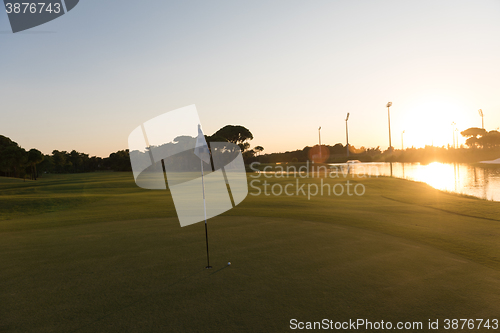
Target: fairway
x=95, y=253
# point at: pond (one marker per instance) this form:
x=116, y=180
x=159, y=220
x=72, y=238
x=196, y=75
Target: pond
x=481, y=182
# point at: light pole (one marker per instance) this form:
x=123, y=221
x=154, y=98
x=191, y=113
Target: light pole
x=456, y=131
x=482, y=116
x=347, y=134
x=453, y=129
x=389, y=118
x=402, y=142
x=319, y=134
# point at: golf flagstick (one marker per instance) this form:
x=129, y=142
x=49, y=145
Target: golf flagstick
x=205, y=210
x=201, y=150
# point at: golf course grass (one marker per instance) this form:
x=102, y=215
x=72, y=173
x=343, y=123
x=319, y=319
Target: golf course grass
x=95, y=253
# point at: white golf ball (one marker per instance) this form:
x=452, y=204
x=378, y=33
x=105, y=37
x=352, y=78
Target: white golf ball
x=229, y=263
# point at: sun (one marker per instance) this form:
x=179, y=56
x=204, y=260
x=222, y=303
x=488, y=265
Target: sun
x=430, y=121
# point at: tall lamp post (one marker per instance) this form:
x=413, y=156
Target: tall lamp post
x=456, y=132
x=402, y=142
x=453, y=129
x=319, y=134
x=482, y=116
x=389, y=118
x=347, y=134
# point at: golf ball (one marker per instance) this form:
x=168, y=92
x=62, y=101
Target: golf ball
x=229, y=263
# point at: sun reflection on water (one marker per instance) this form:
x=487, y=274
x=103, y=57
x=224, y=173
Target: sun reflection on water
x=452, y=177
x=437, y=175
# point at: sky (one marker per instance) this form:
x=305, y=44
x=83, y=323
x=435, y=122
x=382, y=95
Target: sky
x=282, y=69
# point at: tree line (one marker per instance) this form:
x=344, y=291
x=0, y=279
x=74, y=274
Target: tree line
x=481, y=138
x=16, y=161
x=480, y=145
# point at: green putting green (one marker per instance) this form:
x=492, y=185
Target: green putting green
x=94, y=253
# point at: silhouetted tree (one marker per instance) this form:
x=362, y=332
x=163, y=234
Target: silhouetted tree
x=472, y=135
x=235, y=134
x=119, y=161
x=258, y=149
x=13, y=158
x=34, y=157
x=61, y=162
x=489, y=140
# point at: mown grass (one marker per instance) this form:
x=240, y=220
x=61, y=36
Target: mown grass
x=58, y=192
x=87, y=253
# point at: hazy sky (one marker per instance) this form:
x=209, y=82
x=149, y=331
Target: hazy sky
x=282, y=69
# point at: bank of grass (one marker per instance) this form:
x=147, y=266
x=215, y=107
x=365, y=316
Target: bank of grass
x=112, y=257
x=54, y=193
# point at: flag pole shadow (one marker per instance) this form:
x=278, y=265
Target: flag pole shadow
x=220, y=269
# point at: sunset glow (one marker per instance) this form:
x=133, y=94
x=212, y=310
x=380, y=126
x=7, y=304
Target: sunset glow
x=437, y=63
x=429, y=122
